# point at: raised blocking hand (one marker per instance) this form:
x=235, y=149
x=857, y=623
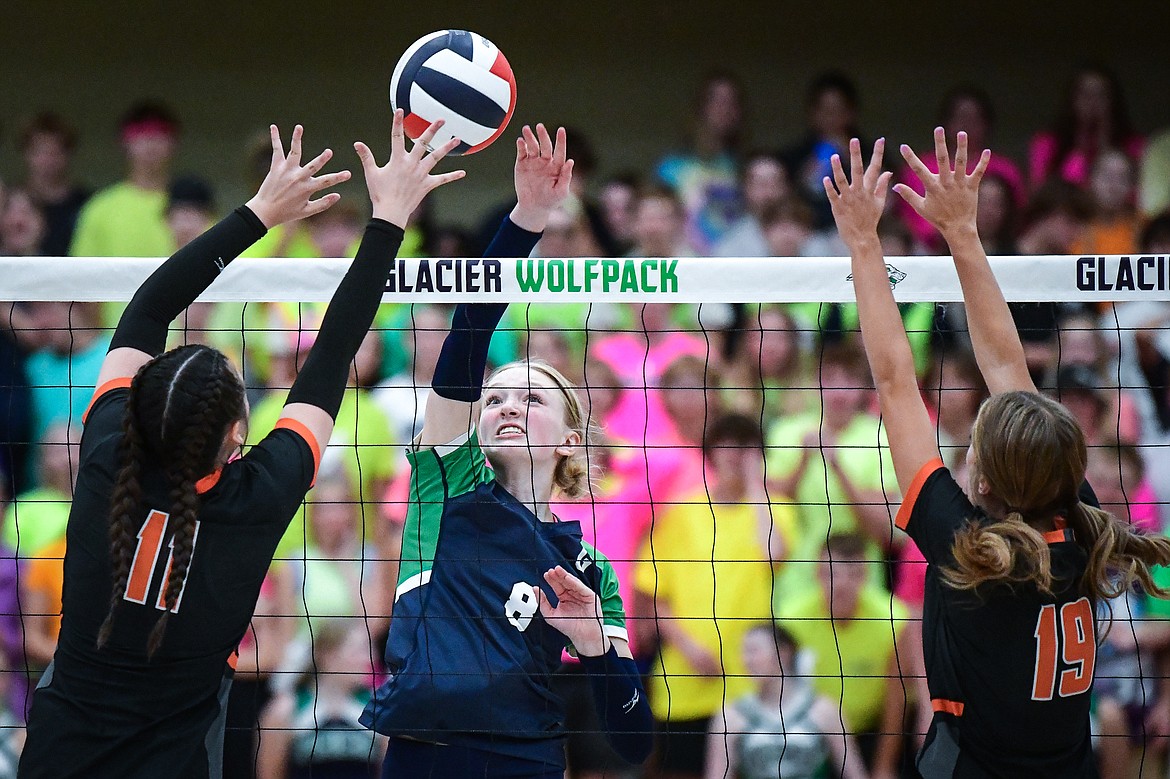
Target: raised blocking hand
x=543, y=175
x=286, y=192
x=397, y=188
x=858, y=204
x=952, y=194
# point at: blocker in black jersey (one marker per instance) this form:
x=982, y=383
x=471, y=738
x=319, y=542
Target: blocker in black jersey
x=163, y=716
x=1010, y=669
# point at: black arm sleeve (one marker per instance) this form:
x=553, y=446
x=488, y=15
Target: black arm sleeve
x=181, y=279
x=322, y=381
x=463, y=360
x=621, y=704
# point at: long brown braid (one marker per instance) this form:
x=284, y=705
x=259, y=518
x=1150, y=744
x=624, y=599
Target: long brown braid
x=180, y=407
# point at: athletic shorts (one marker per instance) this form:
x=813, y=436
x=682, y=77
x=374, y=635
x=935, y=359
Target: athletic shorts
x=408, y=759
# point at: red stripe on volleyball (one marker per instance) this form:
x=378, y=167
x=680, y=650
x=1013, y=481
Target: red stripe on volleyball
x=502, y=69
x=414, y=125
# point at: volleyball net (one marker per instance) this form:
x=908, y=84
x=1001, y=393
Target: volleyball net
x=740, y=473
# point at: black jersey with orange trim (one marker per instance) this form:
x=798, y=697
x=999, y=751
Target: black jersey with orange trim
x=121, y=714
x=1010, y=669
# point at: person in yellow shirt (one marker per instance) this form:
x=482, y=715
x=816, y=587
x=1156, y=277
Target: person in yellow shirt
x=362, y=434
x=853, y=634
x=128, y=219
x=834, y=463
x=706, y=571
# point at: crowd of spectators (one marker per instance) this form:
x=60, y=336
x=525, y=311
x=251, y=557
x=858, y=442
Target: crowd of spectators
x=743, y=493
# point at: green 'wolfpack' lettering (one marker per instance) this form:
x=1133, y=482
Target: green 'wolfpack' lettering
x=598, y=275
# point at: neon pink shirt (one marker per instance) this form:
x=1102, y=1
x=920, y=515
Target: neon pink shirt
x=640, y=414
x=922, y=230
x=633, y=493
x=1076, y=166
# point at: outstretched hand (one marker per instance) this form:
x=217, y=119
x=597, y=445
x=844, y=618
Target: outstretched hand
x=857, y=205
x=286, y=192
x=577, y=613
x=398, y=187
x=543, y=175
x=952, y=194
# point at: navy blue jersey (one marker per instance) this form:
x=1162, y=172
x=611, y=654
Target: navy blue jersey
x=124, y=715
x=1010, y=669
x=471, y=660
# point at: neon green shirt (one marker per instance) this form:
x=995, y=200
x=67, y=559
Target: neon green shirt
x=824, y=507
x=123, y=220
x=35, y=520
x=850, y=658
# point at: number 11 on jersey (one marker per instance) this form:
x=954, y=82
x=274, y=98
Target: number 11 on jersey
x=146, y=558
x=1074, y=640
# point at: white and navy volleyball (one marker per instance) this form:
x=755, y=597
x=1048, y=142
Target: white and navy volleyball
x=460, y=77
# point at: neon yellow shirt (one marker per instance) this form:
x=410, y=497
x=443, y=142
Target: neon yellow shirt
x=123, y=220
x=850, y=659
x=824, y=508
x=35, y=520
x=361, y=436
x=707, y=565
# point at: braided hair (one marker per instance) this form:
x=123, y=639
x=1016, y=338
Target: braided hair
x=180, y=407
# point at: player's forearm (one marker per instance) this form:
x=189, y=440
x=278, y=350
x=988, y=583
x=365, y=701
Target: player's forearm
x=622, y=704
x=181, y=279
x=459, y=371
x=322, y=381
x=993, y=332
x=882, y=331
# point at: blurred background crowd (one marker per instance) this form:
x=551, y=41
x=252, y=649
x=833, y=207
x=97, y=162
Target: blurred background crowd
x=741, y=488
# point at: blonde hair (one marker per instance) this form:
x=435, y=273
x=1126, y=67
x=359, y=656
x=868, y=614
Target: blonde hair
x=572, y=475
x=1031, y=454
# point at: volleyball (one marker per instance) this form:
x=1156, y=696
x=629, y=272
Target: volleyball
x=460, y=77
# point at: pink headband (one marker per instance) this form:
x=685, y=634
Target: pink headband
x=147, y=127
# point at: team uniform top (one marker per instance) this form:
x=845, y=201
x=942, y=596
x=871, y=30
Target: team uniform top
x=1009, y=669
x=469, y=656
x=161, y=706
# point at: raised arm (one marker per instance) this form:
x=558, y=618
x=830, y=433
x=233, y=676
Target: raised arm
x=950, y=204
x=396, y=189
x=284, y=196
x=857, y=206
x=542, y=174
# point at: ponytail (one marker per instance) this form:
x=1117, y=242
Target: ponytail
x=125, y=503
x=1010, y=551
x=1030, y=454
x=177, y=414
x=1119, y=554
x=1014, y=552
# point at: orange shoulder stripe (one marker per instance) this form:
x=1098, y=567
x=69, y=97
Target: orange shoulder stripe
x=300, y=429
x=119, y=383
x=947, y=707
x=907, y=507
x=207, y=482
x=1060, y=532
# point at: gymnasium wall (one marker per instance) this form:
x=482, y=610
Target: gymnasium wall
x=624, y=72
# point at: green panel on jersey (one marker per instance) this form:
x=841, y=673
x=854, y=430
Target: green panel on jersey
x=612, y=610
x=433, y=480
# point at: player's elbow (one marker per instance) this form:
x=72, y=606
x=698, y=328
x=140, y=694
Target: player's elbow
x=634, y=748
